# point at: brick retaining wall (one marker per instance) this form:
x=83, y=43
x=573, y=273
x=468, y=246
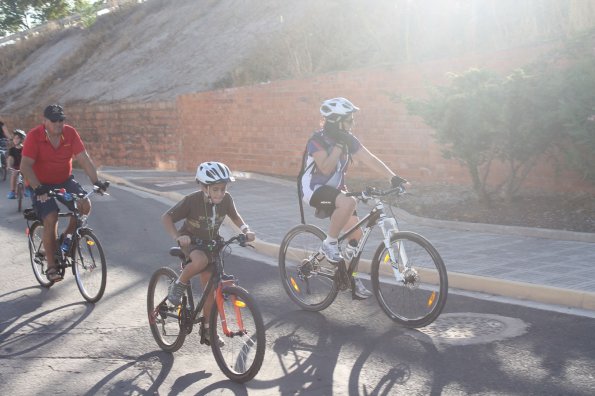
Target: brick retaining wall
x=263, y=128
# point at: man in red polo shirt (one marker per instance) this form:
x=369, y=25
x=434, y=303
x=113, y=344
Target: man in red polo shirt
x=47, y=163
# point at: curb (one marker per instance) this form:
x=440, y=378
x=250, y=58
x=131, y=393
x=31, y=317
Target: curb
x=472, y=283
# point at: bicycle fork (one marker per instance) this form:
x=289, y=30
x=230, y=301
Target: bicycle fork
x=237, y=305
x=388, y=225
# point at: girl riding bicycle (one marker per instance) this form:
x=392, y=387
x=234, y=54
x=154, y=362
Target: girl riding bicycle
x=203, y=213
x=14, y=161
x=329, y=153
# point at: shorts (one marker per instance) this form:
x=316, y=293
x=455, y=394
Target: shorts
x=323, y=199
x=198, y=244
x=42, y=209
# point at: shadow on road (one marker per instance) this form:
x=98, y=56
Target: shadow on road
x=38, y=332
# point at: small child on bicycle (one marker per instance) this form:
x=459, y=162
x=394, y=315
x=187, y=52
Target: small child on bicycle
x=203, y=213
x=14, y=161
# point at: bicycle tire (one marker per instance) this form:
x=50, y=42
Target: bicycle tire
x=88, y=266
x=37, y=253
x=239, y=359
x=418, y=299
x=19, y=194
x=309, y=282
x=161, y=312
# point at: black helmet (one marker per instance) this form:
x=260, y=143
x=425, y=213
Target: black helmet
x=19, y=132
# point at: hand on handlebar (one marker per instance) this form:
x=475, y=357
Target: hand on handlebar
x=183, y=240
x=101, y=186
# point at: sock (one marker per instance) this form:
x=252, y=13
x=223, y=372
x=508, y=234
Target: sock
x=329, y=240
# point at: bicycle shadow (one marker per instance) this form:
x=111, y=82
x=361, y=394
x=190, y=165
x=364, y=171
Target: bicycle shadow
x=17, y=307
x=306, y=352
x=130, y=386
x=14, y=343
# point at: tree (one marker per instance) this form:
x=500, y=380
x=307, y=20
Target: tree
x=18, y=15
x=480, y=118
x=466, y=119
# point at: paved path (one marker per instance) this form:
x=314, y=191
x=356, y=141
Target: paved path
x=547, y=266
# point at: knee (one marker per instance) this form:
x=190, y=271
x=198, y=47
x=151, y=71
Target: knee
x=346, y=202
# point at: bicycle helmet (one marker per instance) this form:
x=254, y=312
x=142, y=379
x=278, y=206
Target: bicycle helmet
x=19, y=132
x=212, y=173
x=336, y=109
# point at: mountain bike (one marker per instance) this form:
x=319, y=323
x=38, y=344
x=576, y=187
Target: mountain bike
x=234, y=317
x=20, y=189
x=408, y=275
x=85, y=254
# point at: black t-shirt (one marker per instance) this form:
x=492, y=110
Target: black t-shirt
x=197, y=214
x=16, y=154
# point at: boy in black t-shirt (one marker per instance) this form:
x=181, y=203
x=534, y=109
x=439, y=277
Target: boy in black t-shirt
x=203, y=213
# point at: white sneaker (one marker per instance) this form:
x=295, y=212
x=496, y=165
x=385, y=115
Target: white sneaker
x=331, y=252
x=359, y=290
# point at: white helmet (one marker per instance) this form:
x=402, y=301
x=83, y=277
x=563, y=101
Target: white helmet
x=212, y=173
x=336, y=109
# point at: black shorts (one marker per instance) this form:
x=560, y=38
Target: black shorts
x=323, y=199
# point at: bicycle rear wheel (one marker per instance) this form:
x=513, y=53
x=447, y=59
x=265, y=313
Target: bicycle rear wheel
x=413, y=290
x=89, y=267
x=37, y=253
x=241, y=354
x=306, y=276
x=19, y=194
x=164, y=317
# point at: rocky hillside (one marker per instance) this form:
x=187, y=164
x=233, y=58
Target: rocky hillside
x=159, y=49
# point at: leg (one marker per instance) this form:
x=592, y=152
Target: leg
x=50, y=231
x=198, y=263
x=344, y=207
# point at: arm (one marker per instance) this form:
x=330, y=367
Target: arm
x=88, y=166
x=327, y=162
x=170, y=228
x=9, y=161
x=27, y=171
x=373, y=162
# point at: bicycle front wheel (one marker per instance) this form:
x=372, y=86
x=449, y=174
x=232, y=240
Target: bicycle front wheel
x=411, y=289
x=37, y=253
x=164, y=317
x=237, y=335
x=19, y=194
x=306, y=276
x=89, y=267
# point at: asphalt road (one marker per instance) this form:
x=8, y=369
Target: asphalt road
x=51, y=341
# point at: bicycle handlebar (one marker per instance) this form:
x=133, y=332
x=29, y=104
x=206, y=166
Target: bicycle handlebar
x=373, y=192
x=72, y=196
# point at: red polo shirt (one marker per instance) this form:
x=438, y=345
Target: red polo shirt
x=52, y=165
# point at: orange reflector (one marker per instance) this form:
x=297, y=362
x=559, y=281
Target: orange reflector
x=387, y=258
x=27, y=231
x=431, y=299
x=90, y=242
x=294, y=285
x=240, y=304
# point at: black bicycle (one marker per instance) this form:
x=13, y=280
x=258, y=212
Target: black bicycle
x=85, y=254
x=236, y=328
x=408, y=275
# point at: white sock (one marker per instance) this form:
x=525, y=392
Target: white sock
x=330, y=240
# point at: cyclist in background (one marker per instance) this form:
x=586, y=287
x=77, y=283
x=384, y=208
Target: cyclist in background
x=47, y=164
x=14, y=161
x=203, y=213
x=329, y=153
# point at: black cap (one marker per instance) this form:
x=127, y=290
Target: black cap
x=54, y=113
